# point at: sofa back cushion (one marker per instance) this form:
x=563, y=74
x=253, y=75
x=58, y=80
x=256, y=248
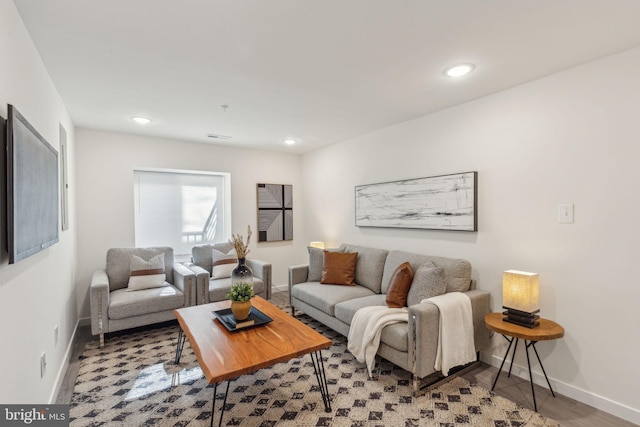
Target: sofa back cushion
x=316, y=262
x=118, y=267
x=369, y=266
x=399, y=285
x=339, y=268
x=457, y=272
x=427, y=282
x=202, y=256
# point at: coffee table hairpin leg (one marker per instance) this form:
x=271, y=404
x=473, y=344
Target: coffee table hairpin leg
x=181, y=339
x=224, y=402
x=318, y=367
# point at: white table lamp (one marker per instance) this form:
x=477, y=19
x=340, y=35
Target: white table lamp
x=521, y=297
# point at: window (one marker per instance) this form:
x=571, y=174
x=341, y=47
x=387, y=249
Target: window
x=181, y=209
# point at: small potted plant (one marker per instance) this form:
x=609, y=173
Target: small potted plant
x=240, y=296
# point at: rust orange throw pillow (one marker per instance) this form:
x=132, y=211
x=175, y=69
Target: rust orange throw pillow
x=399, y=286
x=339, y=268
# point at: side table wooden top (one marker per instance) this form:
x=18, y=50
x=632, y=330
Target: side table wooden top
x=547, y=330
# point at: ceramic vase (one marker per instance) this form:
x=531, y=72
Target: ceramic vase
x=240, y=309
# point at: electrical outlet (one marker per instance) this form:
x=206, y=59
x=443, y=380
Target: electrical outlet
x=55, y=335
x=43, y=364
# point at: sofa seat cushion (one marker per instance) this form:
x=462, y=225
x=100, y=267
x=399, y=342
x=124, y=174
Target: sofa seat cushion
x=325, y=297
x=125, y=304
x=218, y=288
x=345, y=310
x=394, y=335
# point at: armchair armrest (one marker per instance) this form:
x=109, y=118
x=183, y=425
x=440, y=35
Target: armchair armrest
x=185, y=280
x=261, y=270
x=99, y=303
x=202, y=283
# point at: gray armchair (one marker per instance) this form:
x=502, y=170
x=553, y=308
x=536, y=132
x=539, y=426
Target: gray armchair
x=115, y=307
x=209, y=289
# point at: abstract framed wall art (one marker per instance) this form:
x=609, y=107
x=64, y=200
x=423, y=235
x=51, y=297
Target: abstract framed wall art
x=446, y=202
x=275, y=212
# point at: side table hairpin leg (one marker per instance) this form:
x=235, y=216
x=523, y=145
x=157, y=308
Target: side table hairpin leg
x=544, y=331
x=506, y=355
x=504, y=359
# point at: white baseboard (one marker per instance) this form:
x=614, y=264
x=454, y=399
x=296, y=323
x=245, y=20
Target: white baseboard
x=280, y=288
x=588, y=398
x=57, y=385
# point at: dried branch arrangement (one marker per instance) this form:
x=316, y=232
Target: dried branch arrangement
x=242, y=248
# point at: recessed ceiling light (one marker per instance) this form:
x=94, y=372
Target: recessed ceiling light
x=290, y=141
x=218, y=136
x=459, y=70
x=141, y=120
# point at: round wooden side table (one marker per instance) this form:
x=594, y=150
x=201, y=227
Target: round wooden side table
x=547, y=330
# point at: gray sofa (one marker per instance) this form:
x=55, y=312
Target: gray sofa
x=412, y=345
x=114, y=308
x=212, y=290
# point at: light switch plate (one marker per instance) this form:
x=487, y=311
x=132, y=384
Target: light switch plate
x=565, y=213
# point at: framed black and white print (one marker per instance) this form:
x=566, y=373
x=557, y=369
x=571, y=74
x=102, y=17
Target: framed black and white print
x=446, y=202
x=275, y=212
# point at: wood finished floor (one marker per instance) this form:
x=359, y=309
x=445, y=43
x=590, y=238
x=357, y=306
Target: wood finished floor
x=566, y=411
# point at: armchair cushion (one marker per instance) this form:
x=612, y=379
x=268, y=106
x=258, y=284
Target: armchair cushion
x=223, y=263
x=147, y=274
x=210, y=288
x=128, y=304
x=119, y=264
x=202, y=254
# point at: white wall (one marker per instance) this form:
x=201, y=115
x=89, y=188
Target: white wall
x=38, y=292
x=105, y=193
x=569, y=138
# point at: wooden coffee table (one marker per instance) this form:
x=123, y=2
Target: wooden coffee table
x=225, y=355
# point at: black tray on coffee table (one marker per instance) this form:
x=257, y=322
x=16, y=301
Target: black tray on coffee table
x=256, y=318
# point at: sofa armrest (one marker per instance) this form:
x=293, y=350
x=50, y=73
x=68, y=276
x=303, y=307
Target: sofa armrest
x=201, y=292
x=185, y=280
x=297, y=274
x=261, y=270
x=480, y=306
x=99, y=302
x=424, y=324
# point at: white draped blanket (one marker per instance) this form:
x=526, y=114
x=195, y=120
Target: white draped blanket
x=366, y=328
x=455, y=340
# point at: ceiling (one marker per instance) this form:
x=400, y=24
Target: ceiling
x=319, y=72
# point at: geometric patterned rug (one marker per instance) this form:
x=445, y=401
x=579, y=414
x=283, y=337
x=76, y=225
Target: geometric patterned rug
x=132, y=381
